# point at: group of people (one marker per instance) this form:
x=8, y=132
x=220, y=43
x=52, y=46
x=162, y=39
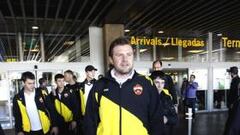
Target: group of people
x=123, y=102
x=59, y=112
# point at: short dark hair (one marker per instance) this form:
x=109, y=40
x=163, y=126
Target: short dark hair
x=27, y=75
x=58, y=76
x=69, y=72
x=193, y=76
x=158, y=74
x=156, y=61
x=41, y=80
x=118, y=42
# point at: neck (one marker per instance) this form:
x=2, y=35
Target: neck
x=60, y=90
x=159, y=91
x=72, y=82
x=121, y=75
x=89, y=79
x=28, y=91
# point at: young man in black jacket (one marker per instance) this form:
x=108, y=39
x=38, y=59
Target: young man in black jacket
x=33, y=111
x=157, y=66
x=65, y=103
x=168, y=111
x=76, y=87
x=124, y=102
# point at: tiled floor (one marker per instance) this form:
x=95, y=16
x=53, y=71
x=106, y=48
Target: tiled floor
x=205, y=124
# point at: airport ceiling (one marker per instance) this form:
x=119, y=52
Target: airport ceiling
x=62, y=20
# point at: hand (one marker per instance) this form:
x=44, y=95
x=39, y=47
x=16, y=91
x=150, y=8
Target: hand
x=54, y=131
x=20, y=133
x=73, y=125
x=165, y=120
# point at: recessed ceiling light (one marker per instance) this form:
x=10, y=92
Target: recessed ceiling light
x=35, y=27
x=167, y=58
x=127, y=30
x=165, y=44
x=219, y=34
x=195, y=51
x=142, y=50
x=160, y=31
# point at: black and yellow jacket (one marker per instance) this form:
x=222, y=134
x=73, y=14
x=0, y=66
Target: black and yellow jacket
x=167, y=106
x=66, y=106
x=131, y=108
x=82, y=92
x=77, y=89
x=45, y=110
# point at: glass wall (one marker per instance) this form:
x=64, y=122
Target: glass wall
x=4, y=101
x=201, y=78
x=221, y=85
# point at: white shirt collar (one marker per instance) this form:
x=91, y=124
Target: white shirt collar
x=120, y=80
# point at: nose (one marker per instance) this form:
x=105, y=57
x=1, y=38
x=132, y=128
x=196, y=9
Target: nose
x=125, y=57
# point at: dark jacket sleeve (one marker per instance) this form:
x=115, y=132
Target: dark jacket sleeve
x=74, y=107
x=91, y=119
x=1, y=130
x=50, y=107
x=155, y=116
x=17, y=116
x=171, y=88
x=233, y=92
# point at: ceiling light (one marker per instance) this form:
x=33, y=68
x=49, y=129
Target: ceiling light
x=219, y=34
x=35, y=27
x=34, y=50
x=68, y=43
x=143, y=50
x=165, y=44
x=238, y=52
x=167, y=58
x=195, y=51
x=160, y=31
x=127, y=30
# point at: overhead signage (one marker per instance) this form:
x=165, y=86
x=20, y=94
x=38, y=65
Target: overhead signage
x=172, y=41
x=229, y=43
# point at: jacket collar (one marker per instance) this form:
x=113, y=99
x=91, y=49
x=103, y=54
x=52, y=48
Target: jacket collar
x=109, y=76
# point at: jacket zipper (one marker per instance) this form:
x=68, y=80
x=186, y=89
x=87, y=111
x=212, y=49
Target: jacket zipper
x=120, y=110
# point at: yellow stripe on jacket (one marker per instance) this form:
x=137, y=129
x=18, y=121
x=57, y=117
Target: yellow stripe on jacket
x=44, y=121
x=26, y=125
x=109, y=120
x=82, y=102
x=167, y=93
x=63, y=110
x=25, y=120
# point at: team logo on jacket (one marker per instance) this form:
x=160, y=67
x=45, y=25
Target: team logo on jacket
x=138, y=89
